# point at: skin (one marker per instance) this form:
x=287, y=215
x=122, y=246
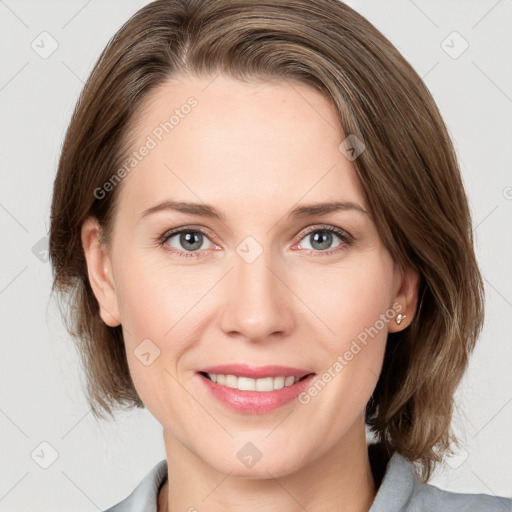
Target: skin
x=254, y=151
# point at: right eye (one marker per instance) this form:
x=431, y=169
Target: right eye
x=184, y=242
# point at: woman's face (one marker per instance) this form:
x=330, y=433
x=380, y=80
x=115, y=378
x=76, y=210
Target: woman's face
x=252, y=284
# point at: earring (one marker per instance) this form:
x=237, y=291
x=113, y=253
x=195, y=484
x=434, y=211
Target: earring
x=399, y=318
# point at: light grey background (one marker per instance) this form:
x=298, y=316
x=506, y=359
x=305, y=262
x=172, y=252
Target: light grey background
x=42, y=400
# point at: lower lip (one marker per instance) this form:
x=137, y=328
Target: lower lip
x=255, y=402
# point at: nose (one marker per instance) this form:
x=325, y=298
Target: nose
x=258, y=304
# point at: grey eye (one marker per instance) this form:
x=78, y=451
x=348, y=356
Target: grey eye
x=320, y=240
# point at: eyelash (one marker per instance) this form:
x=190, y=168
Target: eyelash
x=346, y=240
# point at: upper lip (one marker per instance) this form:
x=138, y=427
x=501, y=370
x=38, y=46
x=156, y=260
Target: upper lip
x=256, y=372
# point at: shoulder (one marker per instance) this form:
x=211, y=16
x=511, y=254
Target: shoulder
x=144, y=497
x=430, y=497
x=401, y=491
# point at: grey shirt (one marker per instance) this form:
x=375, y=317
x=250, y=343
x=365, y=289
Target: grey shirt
x=399, y=491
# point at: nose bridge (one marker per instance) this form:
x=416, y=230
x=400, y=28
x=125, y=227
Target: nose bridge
x=257, y=304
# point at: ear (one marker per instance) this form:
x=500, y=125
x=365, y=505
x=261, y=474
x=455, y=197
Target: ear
x=99, y=270
x=405, y=300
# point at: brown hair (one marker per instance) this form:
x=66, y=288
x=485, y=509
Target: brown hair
x=409, y=173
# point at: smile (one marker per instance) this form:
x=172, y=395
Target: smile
x=248, y=384
x=251, y=395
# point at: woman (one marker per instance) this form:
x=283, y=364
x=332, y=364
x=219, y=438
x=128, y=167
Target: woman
x=260, y=225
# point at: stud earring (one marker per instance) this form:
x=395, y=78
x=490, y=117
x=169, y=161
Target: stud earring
x=399, y=318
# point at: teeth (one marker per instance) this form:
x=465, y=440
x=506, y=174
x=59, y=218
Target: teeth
x=248, y=384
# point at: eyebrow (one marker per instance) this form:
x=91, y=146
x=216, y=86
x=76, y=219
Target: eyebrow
x=206, y=210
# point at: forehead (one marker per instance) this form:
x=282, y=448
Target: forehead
x=231, y=142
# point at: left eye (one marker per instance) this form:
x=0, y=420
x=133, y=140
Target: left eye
x=322, y=239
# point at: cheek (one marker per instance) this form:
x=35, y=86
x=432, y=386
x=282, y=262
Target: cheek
x=154, y=296
x=164, y=303
x=355, y=309
x=153, y=311
x=351, y=297
x=142, y=305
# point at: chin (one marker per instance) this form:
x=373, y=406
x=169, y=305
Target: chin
x=259, y=463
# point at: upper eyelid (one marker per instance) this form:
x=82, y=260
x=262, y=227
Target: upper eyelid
x=319, y=227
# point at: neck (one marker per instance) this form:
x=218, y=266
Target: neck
x=340, y=479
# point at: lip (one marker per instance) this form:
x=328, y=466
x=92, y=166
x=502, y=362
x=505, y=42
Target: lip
x=256, y=372
x=255, y=402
